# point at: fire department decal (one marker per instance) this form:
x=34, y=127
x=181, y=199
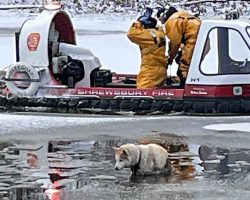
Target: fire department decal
x=33, y=41
x=237, y=91
x=124, y=92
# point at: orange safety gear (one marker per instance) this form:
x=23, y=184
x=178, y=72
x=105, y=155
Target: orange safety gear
x=152, y=43
x=182, y=28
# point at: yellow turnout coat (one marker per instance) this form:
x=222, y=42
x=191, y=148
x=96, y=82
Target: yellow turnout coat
x=153, y=72
x=182, y=28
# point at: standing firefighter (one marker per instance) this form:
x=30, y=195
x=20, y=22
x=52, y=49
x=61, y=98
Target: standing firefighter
x=151, y=41
x=181, y=29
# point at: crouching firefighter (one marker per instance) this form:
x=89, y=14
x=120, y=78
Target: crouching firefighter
x=181, y=29
x=152, y=43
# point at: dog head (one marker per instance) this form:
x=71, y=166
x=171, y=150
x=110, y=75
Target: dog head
x=122, y=158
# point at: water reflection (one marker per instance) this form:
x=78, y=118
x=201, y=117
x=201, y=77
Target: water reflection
x=52, y=170
x=224, y=163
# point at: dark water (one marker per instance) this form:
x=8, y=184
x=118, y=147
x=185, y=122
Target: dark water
x=62, y=170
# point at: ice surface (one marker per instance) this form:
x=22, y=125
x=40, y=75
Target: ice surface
x=232, y=127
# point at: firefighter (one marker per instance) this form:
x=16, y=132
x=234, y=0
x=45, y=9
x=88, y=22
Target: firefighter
x=182, y=29
x=151, y=41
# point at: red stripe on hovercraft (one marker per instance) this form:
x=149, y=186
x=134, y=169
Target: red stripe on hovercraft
x=131, y=92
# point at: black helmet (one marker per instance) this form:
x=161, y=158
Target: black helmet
x=160, y=12
x=150, y=23
x=164, y=13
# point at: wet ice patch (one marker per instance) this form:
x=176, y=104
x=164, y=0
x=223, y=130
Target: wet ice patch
x=74, y=168
x=232, y=127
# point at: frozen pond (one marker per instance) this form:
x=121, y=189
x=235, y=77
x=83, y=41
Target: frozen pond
x=7, y=51
x=69, y=157
x=73, y=169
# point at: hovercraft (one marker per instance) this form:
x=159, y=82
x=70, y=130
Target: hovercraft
x=53, y=74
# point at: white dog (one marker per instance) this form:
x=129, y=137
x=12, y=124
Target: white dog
x=143, y=159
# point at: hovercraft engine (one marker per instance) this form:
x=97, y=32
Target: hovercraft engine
x=67, y=70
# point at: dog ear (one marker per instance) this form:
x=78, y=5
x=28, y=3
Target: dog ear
x=125, y=152
x=116, y=148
